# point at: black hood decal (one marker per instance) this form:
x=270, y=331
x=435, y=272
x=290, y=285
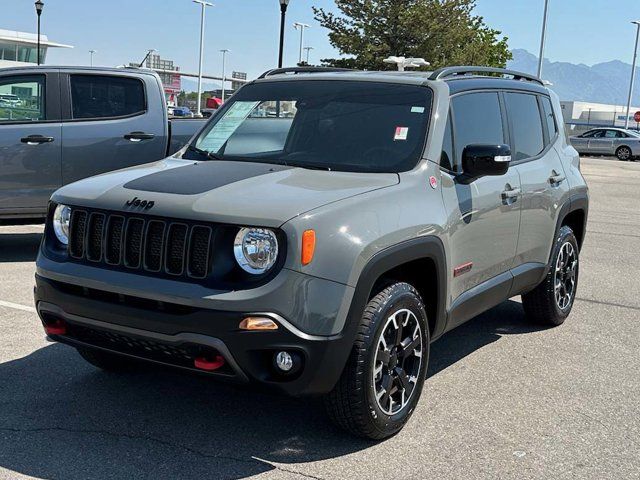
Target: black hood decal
x=201, y=177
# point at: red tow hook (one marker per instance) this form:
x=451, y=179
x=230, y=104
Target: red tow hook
x=204, y=363
x=57, y=327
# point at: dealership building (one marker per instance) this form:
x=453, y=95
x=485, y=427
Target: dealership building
x=580, y=116
x=19, y=48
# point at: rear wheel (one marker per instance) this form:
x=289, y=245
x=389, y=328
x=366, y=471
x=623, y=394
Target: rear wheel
x=623, y=153
x=383, y=379
x=551, y=302
x=109, y=362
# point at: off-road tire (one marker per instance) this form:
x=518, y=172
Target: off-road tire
x=352, y=404
x=540, y=304
x=624, y=153
x=109, y=362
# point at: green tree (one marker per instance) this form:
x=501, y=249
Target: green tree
x=443, y=32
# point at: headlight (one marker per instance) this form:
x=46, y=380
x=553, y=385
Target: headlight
x=61, y=218
x=255, y=249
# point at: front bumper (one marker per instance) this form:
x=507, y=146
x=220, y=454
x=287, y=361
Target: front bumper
x=174, y=334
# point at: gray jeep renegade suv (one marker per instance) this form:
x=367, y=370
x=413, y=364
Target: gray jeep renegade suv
x=320, y=231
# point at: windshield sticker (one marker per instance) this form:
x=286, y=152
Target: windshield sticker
x=226, y=126
x=417, y=109
x=401, y=133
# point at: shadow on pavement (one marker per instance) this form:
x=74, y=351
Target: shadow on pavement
x=19, y=247
x=62, y=419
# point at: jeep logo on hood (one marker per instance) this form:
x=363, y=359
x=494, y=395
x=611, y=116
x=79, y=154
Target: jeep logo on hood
x=135, y=202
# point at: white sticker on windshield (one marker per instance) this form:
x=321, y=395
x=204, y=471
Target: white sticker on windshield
x=401, y=133
x=226, y=126
x=417, y=109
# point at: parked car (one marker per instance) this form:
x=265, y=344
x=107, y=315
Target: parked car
x=322, y=254
x=9, y=100
x=624, y=144
x=182, y=112
x=78, y=122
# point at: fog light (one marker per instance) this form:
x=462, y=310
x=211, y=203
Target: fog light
x=284, y=361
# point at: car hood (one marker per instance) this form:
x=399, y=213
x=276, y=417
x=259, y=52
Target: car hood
x=220, y=191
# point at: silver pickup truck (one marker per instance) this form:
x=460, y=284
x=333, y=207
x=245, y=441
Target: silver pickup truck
x=62, y=124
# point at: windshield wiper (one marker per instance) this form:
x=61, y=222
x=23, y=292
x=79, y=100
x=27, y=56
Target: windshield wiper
x=310, y=166
x=204, y=152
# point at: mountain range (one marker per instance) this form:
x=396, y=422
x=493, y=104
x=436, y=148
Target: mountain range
x=606, y=82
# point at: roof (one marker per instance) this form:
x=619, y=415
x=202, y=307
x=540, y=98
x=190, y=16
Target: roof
x=24, y=38
x=456, y=83
x=48, y=68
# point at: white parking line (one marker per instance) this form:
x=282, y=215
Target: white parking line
x=17, y=306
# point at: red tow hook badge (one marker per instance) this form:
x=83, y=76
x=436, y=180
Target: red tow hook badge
x=56, y=328
x=204, y=363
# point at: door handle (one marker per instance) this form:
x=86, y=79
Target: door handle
x=556, y=178
x=36, y=139
x=138, y=136
x=510, y=195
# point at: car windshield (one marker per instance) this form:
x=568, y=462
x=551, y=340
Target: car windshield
x=332, y=125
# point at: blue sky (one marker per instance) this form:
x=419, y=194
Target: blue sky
x=579, y=31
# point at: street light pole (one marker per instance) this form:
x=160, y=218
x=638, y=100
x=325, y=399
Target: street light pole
x=633, y=73
x=542, y=38
x=91, y=52
x=301, y=26
x=224, y=58
x=308, y=49
x=283, y=12
x=39, y=6
x=203, y=4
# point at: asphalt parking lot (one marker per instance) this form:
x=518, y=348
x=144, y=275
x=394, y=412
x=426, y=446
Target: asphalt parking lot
x=504, y=399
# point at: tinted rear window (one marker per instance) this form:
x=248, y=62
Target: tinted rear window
x=337, y=125
x=102, y=96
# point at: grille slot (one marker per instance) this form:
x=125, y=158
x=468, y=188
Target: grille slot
x=176, y=247
x=154, y=242
x=133, y=242
x=154, y=245
x=113, y=251
x=199, y=251
x=78, y=230
x=94, y=237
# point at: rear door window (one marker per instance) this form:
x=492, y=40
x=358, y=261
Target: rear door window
x=104, y=96
x=477, y=119
x=22, y=98
x=524, y=114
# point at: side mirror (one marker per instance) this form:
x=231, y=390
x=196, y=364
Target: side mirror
x=483, y=160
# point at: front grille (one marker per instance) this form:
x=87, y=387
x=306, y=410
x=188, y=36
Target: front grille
x=141, y=244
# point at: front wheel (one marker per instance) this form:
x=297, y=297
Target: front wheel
x=551, y=302
x=383, y=379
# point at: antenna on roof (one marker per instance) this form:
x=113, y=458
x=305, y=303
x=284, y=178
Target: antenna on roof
x=403, y=62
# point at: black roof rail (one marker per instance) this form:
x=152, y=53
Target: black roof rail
x=448, y=72
x=295, y=70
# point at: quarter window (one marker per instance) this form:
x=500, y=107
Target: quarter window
x=476, y=119
x=549, y=117
x=22, y=98
x=526, y=123
x=96, y=96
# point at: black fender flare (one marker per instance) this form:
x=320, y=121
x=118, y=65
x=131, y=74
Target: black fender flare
x=427, y=247
x=578, y=201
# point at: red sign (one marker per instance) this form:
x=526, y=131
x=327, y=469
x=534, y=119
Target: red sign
x=636, y=117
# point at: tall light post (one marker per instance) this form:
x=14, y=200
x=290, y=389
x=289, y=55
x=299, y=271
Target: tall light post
x=224, y=59
x=542, y=38
x=633, y=73
x=308, y=49
x=203, y=4
x=39, y=6
x=91, y=52
x=283, y=12
x=301, y=26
